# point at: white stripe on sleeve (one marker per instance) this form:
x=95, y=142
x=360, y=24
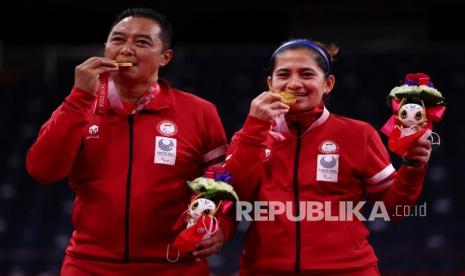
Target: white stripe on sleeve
x=215, y=153
x=381, y=175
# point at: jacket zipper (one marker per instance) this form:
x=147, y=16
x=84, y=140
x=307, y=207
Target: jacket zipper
x=296, y=201
x=128, y=188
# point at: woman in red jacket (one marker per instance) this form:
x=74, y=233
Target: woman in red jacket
x=309, y=166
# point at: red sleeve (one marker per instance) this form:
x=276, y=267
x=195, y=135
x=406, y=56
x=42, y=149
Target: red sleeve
x=245, y=157
x=404, y=190
x=215, y=141
x=51, y=156
x=377, y=163
x=394, y=189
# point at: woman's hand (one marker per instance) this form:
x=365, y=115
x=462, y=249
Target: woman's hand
x=419, y=152
x=267, y=106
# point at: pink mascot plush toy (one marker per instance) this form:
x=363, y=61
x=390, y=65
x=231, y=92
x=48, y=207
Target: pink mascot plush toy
x=415, y=105
x=212, y=196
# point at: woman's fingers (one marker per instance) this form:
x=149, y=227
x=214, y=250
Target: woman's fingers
x=419, y=151
x=267, y=106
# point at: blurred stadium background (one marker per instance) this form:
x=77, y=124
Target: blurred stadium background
x=221, y=54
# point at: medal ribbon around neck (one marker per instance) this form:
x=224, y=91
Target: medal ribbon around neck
x=102, y=96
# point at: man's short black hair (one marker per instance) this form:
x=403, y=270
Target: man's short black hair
x=165, y=24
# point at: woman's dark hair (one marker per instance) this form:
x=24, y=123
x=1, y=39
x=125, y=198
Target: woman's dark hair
x=325, y=53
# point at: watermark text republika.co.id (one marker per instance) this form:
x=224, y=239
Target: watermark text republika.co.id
x=326, y=210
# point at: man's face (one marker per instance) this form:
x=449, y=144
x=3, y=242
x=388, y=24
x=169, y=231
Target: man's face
x=137, y=40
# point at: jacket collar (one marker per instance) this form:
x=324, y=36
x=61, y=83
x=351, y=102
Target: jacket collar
x=161, y=100
x=280, y=130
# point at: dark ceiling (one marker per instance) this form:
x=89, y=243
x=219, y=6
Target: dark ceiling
x=226, y=22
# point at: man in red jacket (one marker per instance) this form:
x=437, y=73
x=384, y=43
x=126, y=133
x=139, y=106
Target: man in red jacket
x=128, y=142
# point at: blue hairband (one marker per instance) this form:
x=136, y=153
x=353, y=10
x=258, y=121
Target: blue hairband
x=302, y=42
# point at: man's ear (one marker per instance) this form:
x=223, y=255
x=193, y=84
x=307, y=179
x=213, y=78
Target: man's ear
x=269, y=82
x=166, y=57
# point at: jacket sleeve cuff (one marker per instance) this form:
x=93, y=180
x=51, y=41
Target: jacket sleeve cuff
x=411, y=179
x=254, y=130
x=411, y=175
x=79, y=99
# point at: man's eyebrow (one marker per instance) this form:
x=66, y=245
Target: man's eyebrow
x=137, y=35
x=144, y=36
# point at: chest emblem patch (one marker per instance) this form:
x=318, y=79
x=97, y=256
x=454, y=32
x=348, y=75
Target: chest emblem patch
x=328, y=146
x=327, y=167
x=167, y=128
x=165, y=150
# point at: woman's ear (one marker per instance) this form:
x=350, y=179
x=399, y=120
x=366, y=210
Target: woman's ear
x=329, y=84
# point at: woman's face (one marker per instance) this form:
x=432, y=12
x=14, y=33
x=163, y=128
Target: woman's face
x=297, y=71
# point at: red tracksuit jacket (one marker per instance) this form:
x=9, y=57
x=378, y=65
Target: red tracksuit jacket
x=129, y=172
x=336, y=159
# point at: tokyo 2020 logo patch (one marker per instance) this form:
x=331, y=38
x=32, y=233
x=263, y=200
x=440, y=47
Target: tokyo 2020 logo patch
x=328, y=162
x=165, y=145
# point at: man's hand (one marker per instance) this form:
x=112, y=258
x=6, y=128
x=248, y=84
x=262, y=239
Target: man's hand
x=87, y=74
x=209, y=246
